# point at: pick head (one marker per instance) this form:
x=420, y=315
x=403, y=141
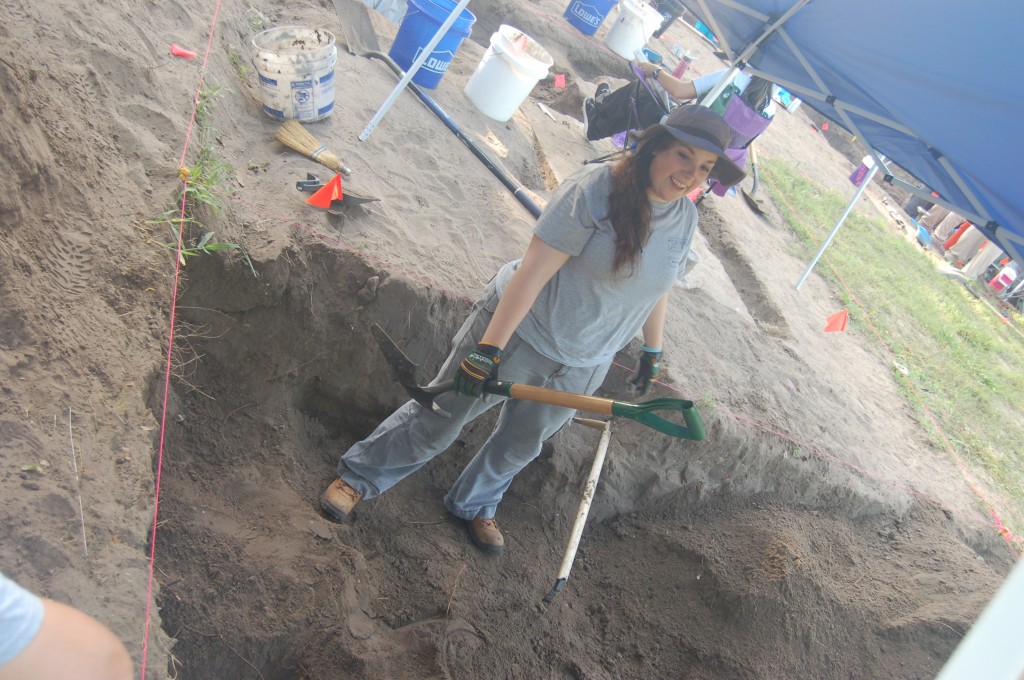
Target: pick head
x=405, y=371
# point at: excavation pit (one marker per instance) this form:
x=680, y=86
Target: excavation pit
x=724, y=558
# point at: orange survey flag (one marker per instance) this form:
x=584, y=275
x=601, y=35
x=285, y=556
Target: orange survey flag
x=837, y=322
x=327, y=193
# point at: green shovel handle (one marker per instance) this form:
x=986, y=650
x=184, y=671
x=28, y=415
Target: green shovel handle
x=644, y=413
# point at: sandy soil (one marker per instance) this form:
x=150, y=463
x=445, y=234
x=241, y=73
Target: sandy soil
x=814, y=533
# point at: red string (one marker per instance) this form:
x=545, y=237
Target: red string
x=170, y=346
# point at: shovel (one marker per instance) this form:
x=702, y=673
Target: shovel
x=643, y=413
x=754, y=204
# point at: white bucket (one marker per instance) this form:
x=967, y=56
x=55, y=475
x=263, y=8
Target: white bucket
x=511, y=67
x=633, y=27
x=296, y=70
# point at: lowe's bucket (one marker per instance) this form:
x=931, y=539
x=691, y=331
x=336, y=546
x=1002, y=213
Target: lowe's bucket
x=587, y=15
x=633, y=27
x=420, y=23
x=511, y=67
x=296, y=70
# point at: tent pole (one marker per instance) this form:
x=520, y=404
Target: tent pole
x=719, y=87
x=853, y=201
x=413, y=68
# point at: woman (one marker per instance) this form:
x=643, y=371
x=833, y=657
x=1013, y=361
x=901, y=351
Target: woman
x=604, y=254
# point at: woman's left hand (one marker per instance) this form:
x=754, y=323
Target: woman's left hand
x=646, y=372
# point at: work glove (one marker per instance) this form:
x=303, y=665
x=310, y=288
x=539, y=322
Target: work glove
x=650, y=366
x=479, y=366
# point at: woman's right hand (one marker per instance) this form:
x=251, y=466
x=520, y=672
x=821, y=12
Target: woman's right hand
x=479, y=366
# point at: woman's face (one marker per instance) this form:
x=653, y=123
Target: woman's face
x=677, y=170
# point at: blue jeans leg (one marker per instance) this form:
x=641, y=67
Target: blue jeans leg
x=522, y=428
x=411, y=436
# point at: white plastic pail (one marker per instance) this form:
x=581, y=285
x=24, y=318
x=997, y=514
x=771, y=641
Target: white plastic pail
x=511, y=67
x=296, y=70
x=633, y=27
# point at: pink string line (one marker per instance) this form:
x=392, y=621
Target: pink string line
x=170, y=347
x=1015, y=543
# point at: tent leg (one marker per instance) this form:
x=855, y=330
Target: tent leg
x=413, y=68
x=853, y=201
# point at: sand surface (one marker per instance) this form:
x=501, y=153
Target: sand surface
x=814, y=533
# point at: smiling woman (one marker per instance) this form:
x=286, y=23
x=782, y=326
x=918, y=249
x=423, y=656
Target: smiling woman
x=677, y=170
x=603, y=256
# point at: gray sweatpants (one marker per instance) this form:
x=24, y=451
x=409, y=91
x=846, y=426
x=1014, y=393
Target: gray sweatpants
x=411, y=436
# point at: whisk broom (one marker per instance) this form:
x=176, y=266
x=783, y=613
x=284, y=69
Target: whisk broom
x=296, y=137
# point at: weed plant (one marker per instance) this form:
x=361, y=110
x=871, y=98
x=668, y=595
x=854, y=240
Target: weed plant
x=965, y=363
x=203, y=189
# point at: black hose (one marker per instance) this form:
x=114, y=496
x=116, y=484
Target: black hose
x=510, y=183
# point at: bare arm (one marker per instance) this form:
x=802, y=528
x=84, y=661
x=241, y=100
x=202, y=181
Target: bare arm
x=539, y=264
x=654, y=327
x=680, y=90
x=70, y=644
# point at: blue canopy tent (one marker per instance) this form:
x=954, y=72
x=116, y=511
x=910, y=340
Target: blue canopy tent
x=935, y=87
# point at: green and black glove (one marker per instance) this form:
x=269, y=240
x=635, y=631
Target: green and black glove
x=646, y=372
x=479, y=366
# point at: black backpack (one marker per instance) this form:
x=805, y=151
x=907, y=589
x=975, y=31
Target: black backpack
x=631, y=107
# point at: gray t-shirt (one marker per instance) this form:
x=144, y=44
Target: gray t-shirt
x=21, y=615
x=587, y=312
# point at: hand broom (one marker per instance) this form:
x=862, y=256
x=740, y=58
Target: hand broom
x=296, y=137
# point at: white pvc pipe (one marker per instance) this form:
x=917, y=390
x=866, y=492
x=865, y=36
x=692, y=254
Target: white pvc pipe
x=584, y=509
x=426, y=52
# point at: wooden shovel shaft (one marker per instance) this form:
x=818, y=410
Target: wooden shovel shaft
x=543, y=395
x=642, y=413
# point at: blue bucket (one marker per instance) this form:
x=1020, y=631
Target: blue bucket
x=421, y=22
x=587, y=15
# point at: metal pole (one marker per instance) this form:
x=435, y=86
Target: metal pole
x=368, y=130
x=719, y=87
x=584, y=509
x=842, y=218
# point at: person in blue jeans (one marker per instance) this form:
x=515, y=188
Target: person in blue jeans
x=597, y=271
x=45, y=640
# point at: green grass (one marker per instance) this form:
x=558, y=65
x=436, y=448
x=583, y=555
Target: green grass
x=966, y=365
x=241, y=67
x=206, y=185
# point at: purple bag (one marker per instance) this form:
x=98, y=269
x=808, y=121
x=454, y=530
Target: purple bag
x=746, y=124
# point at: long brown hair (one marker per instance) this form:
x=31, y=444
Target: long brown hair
x=629, y=207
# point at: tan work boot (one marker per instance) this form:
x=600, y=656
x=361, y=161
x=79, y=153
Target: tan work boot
x=339, y=499
x=486, y=535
